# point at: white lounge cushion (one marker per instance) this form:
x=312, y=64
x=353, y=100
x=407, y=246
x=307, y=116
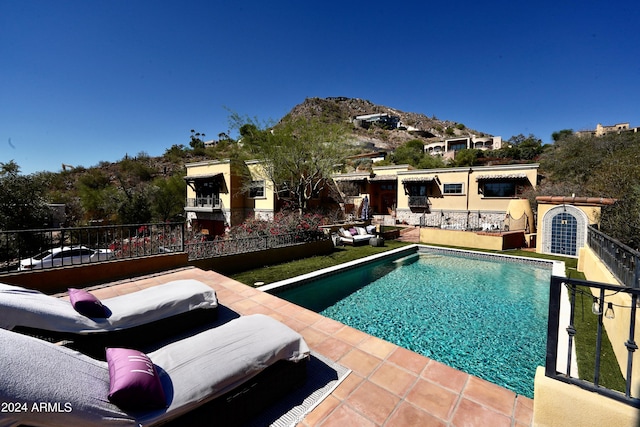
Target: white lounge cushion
x=30, y=308
x=193, y=371
x=345, y=233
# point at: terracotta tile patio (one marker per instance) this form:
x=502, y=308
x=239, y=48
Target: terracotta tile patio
x=388, y=385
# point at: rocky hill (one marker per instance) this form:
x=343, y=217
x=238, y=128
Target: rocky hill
x=410, y=126
x=364, y=139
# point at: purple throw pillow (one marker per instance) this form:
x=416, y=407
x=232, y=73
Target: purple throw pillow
x=134, y=380
x=87, y=304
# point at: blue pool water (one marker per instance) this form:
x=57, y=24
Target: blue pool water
x=481, y=316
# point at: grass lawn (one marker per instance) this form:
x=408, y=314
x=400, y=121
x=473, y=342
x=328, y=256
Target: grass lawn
x=585, y=322
x=290, y=269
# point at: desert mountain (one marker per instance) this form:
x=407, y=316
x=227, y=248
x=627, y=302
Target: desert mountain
x=380, y=136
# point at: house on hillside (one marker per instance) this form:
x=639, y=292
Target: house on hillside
x=482, y=191
x=400, y=194
x=379, y=186
x=601, y=130
x=448, y=147
x=384, y=120
x=223, y=193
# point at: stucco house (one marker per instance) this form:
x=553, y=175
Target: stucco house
x=448, y=147
x=421, y=196
x=223, y=193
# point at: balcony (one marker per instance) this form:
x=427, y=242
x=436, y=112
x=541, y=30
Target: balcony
x=418, y=202
x=203, y=204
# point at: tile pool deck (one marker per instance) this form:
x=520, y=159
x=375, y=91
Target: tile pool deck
x=388, y=385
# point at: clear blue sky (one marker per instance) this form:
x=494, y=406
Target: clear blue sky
x=91, y=80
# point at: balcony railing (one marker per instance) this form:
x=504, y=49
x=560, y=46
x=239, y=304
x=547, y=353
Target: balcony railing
x=488, y=222
x=112, y=241
x=133, y=241
x=623, y=261
x=562, y=331
x=205, y=202
x=418, y=202
x=221, y=247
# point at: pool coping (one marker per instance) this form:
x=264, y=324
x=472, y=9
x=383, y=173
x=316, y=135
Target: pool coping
x=302, y=279
x=557, y=267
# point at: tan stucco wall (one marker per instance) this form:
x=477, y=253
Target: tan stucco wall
x=594, y=269
x=592, y=213
x=557, y=404
x=470, y=199
x=235, y=203
x=212, y=167
x=519, y=207
x=266, y=203
x=467, y=239
x=389, y=170
x=618, y=327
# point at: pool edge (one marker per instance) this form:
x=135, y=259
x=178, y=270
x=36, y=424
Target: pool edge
x=557, y=267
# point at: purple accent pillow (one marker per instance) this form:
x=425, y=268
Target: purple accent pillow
x=87, y=304
x=353, y=231
x=134, y=380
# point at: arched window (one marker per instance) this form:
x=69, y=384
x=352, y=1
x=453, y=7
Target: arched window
x=564, y=230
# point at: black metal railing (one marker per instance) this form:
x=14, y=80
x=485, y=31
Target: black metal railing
x=490, y=222
x=131, y=241
x=212, y=202
x=623, y=261
x=221, y=247
x=418, y=202
x=602, y=308
x=108, y=243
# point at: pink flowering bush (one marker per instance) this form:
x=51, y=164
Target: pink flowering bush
x=284, y=222
x=286, y=228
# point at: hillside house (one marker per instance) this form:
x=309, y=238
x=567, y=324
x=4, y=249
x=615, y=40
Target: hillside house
x=222, y=193
x=401, y=194
x=601, y=130
x=448, y=147
x=384, y=120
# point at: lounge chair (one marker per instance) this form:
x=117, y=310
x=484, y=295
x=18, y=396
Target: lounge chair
x=223, y=375
x=355, y=235
x=144, y=316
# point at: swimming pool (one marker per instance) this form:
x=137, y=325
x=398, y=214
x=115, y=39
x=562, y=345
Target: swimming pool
x=481, y=314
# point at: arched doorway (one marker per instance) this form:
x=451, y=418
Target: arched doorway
x=564, y=230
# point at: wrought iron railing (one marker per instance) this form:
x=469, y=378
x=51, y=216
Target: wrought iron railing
x=212, y=202
x=623, y=261
x=133, y=241
x=602, y=307
x=221, y=247
x=419, y=202
x=490, y=222
x=109, y=242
